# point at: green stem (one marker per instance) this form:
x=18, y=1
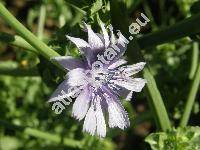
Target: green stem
x=12, y=69
x=43, y=135
x=41, y=47
x=19, y=72
x=187, y=27
x=191, y=98
x=16, y=41
x=156, y=101
x=41, y=21
x=194, y=59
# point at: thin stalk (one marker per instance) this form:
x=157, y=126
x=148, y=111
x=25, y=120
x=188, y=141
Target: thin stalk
x=191, y=98
x=156, y=102
x=153, y=94
x=41, y=21
x=187, y=27
x=52, y=137
x=41, y=47
x=19, y=72
x=194, y=59
x=17, y=41
x=43, y=135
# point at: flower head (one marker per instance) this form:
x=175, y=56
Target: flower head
x=101, y=78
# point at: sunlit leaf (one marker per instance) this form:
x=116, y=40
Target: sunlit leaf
x=178, y=139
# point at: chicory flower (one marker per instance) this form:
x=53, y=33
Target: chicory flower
x=101, y=78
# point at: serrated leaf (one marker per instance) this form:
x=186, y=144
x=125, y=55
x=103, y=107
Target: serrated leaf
x=187, y=138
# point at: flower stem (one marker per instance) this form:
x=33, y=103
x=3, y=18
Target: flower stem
x=13, y=70
x=156, y=102
x=194, y=59
x=41, y=47
x=191, y=98
x=43, y=135
x=41, y=21
x=154, y=97
x=187, y=27
x=19, y=72
x=17, y=41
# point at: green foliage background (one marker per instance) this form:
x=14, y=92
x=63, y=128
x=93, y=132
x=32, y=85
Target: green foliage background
x=27, y=80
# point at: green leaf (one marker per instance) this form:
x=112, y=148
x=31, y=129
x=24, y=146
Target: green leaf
x=96, y=6
x=14, y=143
x=186, y=138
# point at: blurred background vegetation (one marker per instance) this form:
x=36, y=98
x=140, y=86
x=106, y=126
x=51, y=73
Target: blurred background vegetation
x=27, y=80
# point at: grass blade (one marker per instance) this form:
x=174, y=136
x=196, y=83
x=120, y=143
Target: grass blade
x=191, y=98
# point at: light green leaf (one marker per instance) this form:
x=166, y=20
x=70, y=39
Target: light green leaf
x=96, y=6
x=187, y=138
x=9, y=143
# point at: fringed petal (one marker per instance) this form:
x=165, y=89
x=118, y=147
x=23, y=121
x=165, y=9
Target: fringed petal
x=62, y=91
x=135, y=84
x=77, y=77
x=101, y=125
x=132, y=69
x=81, y=104
x=90, y=121
x=69, y=62
x=80, y=43
x=129, y=96
x=117, y=115
x=84, y=48
x=117, y=64
x=94, y=41
x=105, y=35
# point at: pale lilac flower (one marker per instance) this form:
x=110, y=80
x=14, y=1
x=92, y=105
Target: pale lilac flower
x=100, y=88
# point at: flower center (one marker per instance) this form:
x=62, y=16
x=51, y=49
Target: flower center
x=98, y=77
